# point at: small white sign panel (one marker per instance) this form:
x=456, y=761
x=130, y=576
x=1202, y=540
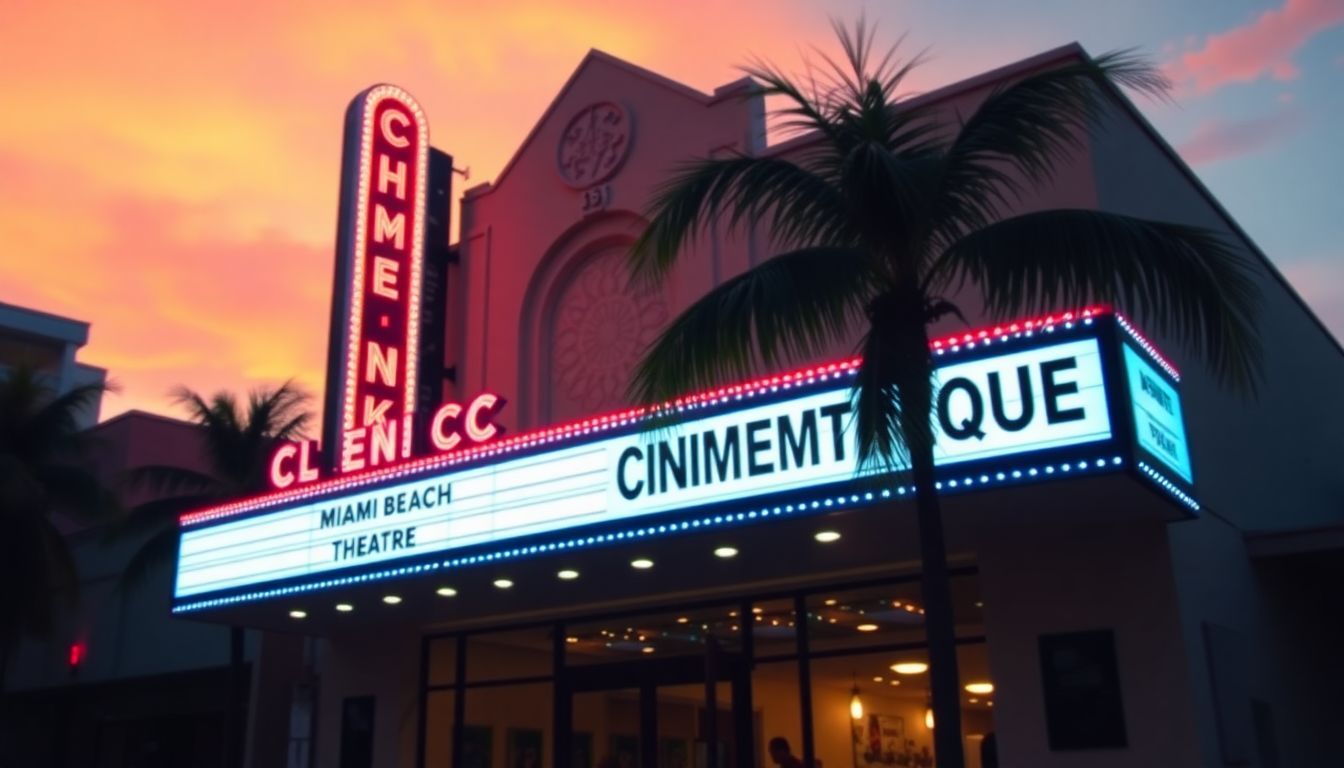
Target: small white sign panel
x=1020, y=402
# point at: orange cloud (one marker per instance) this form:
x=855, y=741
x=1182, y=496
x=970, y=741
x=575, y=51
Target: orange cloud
x=1264, y=47
x=169, y=171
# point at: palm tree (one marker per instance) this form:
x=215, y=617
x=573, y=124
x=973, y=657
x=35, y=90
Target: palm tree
x=885, y=213
x=43, y=471
x=238, y=443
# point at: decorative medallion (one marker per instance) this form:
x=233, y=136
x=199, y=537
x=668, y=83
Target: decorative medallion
x=594, y=144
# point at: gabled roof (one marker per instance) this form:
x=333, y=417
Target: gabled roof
x=595, y=56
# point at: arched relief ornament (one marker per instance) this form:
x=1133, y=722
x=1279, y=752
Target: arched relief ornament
x=592, y=149
x=601, y=328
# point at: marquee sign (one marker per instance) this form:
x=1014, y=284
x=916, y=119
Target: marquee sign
x=1082, y=394
x=380, y=257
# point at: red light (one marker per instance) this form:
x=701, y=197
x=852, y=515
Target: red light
x=77, y=651
x=561, y=431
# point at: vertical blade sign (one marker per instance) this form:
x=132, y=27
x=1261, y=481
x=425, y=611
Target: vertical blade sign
x=376, y=315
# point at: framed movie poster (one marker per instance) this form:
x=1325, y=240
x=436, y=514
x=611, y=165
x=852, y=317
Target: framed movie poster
x=477, y=747
x=523, y=748
x=1083, y=708
x=879, y=740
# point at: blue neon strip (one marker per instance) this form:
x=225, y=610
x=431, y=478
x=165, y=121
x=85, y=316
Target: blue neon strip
x=1168, y=486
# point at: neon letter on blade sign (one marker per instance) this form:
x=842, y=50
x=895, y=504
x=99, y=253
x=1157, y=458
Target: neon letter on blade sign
x=383, y=209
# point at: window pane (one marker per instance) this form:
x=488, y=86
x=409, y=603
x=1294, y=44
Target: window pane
x=503, y=655
x=774, y=628
x=442, y=661
x=894, y=703
x=672, y=633
x=439, y=729
x=774, y=694
x=886, y=615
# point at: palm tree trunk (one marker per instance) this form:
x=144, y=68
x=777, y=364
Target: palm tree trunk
x=917, y=413
x=233, y=719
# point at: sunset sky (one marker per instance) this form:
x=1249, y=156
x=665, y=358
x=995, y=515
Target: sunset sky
x=168, y=171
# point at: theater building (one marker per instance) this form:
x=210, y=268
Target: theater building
x=529, y=576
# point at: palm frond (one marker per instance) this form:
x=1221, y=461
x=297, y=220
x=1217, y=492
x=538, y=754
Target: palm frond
x=1181, y=281
x=1022, y=132
x=167, y=479
x=790, y=306
x=801, y=207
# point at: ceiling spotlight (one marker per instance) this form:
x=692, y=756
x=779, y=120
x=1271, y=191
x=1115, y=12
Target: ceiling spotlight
x=831, y=601
x=725, y=552
x=894, y=681
x=571, y=639
x=391, y=599
x=910, y=668
x=980, y=688
x=445, y=592
x=344, y=607
x=877, y=678
x=503, y=583
x=867, y=627
x=568, y=574
x=826, y=537
x=298, y=614
x=642, y=563
x=682, y=619
x=647, y=649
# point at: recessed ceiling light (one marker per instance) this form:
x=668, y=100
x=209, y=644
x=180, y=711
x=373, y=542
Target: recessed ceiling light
x=568, y=574
x=298, y=614
x=980, y=687
x=831, y=601
x=503, y=583
x=571, y=639
x=973, y=700
x=895, y=682
x=826, y=537
x=758, y=610
x=344, y=607
x=682, y=619
x=445, y=592
x=647, y=649
x=867, y=627
x=877, y=678
x=726, y=552
x=391, y=599
x=642, y=563
x=910, y=668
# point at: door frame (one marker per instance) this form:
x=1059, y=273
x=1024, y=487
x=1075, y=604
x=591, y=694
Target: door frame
x=646, y=676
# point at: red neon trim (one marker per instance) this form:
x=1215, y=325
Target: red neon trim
x=606, y=421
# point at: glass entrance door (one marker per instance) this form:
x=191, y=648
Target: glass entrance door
x=682, y=712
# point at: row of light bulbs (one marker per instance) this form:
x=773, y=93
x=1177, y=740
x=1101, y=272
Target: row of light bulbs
x=565, y=574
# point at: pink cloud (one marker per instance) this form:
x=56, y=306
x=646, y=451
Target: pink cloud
x=1263, y=47
x=1214, y=141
